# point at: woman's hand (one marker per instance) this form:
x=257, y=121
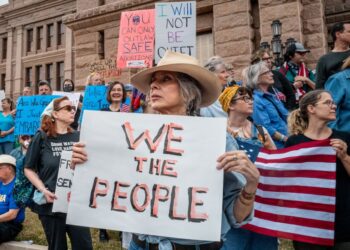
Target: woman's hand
x=49, y=196
x=298, y=84
x=238, y=161
x=340, y=147
x=3, y=133
x=79, y=155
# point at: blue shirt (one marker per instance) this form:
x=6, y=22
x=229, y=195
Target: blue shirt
x=339, y=86
x=7, y=202
x=214, y=110
x=271, y=114
x=6, y=123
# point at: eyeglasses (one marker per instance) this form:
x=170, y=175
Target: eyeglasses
x=68, y=108
x=266, y=58
x=329, y=103
x=301, y=53
x=245, y=98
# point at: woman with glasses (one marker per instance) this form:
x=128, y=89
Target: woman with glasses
x=281, y=86
x=237, y=102
x=310, y=123
x=41, y=168
x=269, y=111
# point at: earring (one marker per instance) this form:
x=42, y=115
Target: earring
x=53, y=120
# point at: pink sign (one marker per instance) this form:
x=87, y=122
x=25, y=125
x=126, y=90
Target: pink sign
x=136, y=39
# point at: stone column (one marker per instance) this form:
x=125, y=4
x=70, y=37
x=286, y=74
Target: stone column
x=18, y=68
x=54, y=42
x=8, y=79
x=314, y=29
x=233, y=33
x=68, y=59
x=44, y=48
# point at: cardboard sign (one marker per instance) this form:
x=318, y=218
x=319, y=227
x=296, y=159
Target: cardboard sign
x=72, y=96
x=136, y=39
x=29, y=109
x=150, y=174
x=64, y=183
x=175, y=28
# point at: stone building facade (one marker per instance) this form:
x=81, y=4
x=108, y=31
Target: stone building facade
x=57, y=39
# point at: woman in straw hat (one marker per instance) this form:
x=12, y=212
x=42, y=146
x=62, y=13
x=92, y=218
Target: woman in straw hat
x=179, y=86
x=238, y=102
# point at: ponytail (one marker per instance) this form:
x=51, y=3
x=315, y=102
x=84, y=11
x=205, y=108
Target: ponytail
x=297, y=123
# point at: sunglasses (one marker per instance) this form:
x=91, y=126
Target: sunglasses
x=68, y=108
x=25, y=137
x=301, y=53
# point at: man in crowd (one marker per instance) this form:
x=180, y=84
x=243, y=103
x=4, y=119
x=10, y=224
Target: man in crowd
x=331, y=62
x=11, y=217
x=44, y=88
x=27, y=91
x=294, y=69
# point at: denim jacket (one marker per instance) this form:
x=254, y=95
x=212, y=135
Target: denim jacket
x=339, y=86
x=270, y=113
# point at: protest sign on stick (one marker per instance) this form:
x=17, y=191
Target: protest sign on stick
x=64, y=183
x=150, y=174
x=29, y=109
x=136, y=39
x=175, y=28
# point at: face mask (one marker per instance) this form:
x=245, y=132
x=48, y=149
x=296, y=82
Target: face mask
x=26, y=144
x=67, y=88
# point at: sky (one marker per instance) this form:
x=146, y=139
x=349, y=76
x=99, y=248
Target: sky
x=3, y=2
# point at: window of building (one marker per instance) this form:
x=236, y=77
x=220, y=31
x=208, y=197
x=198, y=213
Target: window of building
x=40, y=38
x=38, y=73
x=4, y=48
x=60, y=33
x=101, y=2
x=29, y=40
x=60, y=74
x=49, y=35
x=49, y=73
x=205, y=47
x=3, y=82
x=28, y=76
x=101, y=44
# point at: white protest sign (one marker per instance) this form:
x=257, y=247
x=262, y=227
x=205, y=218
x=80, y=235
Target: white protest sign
x=2, y=96
x=175, y=28
x=150, y=174
x=64, y=183
x=72, y=96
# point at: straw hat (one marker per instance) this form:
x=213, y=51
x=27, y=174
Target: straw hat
x=209, y=84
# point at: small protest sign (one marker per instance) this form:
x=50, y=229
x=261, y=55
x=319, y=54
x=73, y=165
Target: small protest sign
x=150, y=174
x=72, y=96
x=95, y=98
x=64, y=183
x=136, y=39
x=175, y=28
x=29, y=109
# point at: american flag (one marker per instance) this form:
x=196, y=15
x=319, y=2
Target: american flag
x=296, y=193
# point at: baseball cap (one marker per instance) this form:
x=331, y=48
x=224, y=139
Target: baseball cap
x=300, y=48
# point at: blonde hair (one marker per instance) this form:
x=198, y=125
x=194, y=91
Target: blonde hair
x=298, y=120
x=89, y=78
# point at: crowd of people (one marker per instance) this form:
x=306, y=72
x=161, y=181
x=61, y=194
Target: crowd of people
x=272, y=108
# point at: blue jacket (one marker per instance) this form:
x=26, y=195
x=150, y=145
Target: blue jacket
x=270, y=113
x=339, y=86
